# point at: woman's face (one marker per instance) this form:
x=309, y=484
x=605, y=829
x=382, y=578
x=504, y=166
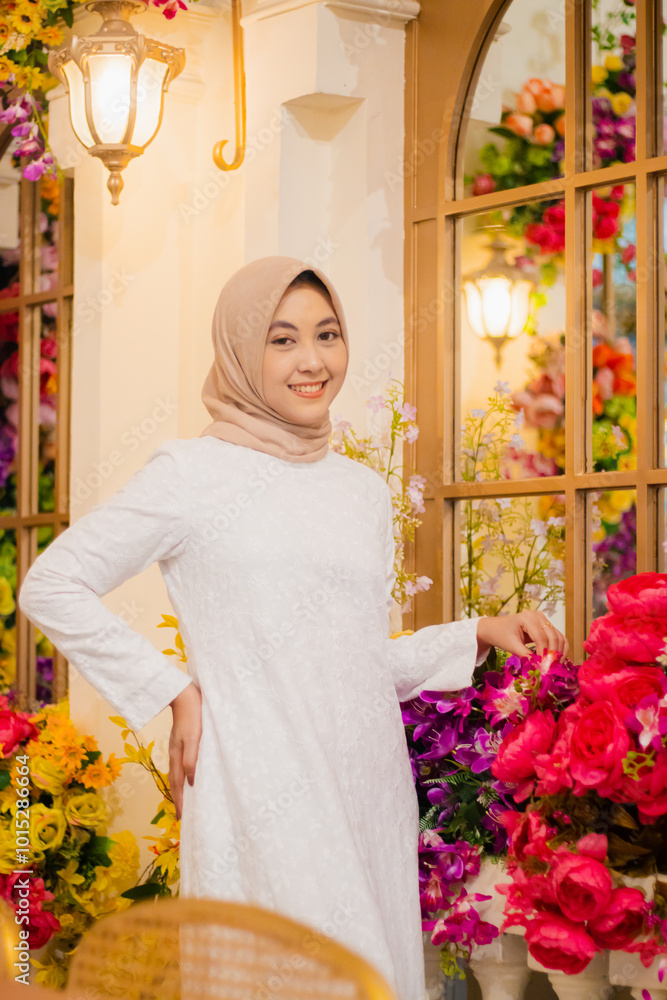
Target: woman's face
x=304, y=346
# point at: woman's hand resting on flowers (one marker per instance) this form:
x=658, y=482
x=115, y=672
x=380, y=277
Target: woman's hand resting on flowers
x=512, y=632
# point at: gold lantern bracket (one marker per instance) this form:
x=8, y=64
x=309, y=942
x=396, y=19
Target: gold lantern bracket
x=93, y=86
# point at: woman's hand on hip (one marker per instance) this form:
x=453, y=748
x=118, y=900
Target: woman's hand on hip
x=512, y=632
x=184, y=741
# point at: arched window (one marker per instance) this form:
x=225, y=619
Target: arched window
x=535, y=165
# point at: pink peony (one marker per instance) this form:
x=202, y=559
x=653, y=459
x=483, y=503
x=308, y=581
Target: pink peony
x=648, y=791
x=516, y=756
x=15, y=728
x=622, y=920
x=643, y=594
x=582, y=886
x=598, y=744
x=528, y=835
x=41, y=927
x=635, y=640
x=552, y=769
x=559, y=943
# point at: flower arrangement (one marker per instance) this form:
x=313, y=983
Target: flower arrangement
x=596, y=776
x=28, y=29
x=376, y=450
x=53, y=820
x=458, y=745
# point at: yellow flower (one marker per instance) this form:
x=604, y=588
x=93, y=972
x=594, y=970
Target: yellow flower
x=8, y=639
x=90, y=743
x=47, y=827
x=598, y=74
x=8, y=669
x=69, y=755
x=25, y=20
x=621, y=103
x=123, y=871
x=614, y=64
x=86, y=809
x=7, y=604
x=47, y=774
x=51, y=35
x=44, y=645
x=51, y=975
x=96, y=775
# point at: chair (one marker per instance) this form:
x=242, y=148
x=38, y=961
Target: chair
x=9, y=938
x=191, y=949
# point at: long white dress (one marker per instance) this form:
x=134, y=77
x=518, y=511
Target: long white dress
x=280, y=574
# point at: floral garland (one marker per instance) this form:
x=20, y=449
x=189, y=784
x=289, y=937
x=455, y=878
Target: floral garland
x=28, y=30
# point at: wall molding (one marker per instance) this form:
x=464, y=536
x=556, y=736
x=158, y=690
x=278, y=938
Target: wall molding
x=384, y=10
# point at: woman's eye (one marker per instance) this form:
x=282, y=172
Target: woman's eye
x=334, y=333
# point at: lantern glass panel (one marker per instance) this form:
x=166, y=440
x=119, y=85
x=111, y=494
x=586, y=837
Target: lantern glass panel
x=110, y=83
x=77, y=103
x=149, y=101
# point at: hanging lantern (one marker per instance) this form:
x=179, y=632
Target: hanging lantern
x=498, y=298
x=116, y=80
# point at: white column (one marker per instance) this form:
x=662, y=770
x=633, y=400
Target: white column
x=325, y=110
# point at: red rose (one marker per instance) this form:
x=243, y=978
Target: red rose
x=635, y=640
x=41, y=927
x=516, y=756
x=598, y=745
x=559, y=943
x=15, y=728
x=622, y=920
x=639, y=595
x=582, y=885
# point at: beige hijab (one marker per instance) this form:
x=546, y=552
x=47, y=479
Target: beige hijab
x=232, y=391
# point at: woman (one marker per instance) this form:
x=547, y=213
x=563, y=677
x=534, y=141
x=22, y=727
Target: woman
x=278, y=555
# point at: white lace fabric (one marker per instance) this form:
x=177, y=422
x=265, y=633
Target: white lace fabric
x=280, y=575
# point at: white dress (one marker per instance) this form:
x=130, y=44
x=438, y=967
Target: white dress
x=280, y=575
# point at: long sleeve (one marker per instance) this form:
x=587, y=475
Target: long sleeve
x=433, y=658
x=144, y=522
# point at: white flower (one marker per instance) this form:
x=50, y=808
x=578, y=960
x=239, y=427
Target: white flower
x=538, y=527
x=503, y=388
x=504, y=502
x=520, y=419
x=556, y=522
x=423, y=582
x=533, y=590
x=517, y=441
x=478, y=414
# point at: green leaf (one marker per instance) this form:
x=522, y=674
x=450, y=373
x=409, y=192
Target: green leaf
x=5, y=779
x=145, y=891
x=67, y=14
x=97, y=850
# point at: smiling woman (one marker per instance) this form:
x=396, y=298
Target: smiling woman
x=309, y=360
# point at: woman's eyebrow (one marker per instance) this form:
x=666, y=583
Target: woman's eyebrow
x=290, y=326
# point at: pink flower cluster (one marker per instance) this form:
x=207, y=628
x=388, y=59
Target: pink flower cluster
x=608, y=745
x=566, y=899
